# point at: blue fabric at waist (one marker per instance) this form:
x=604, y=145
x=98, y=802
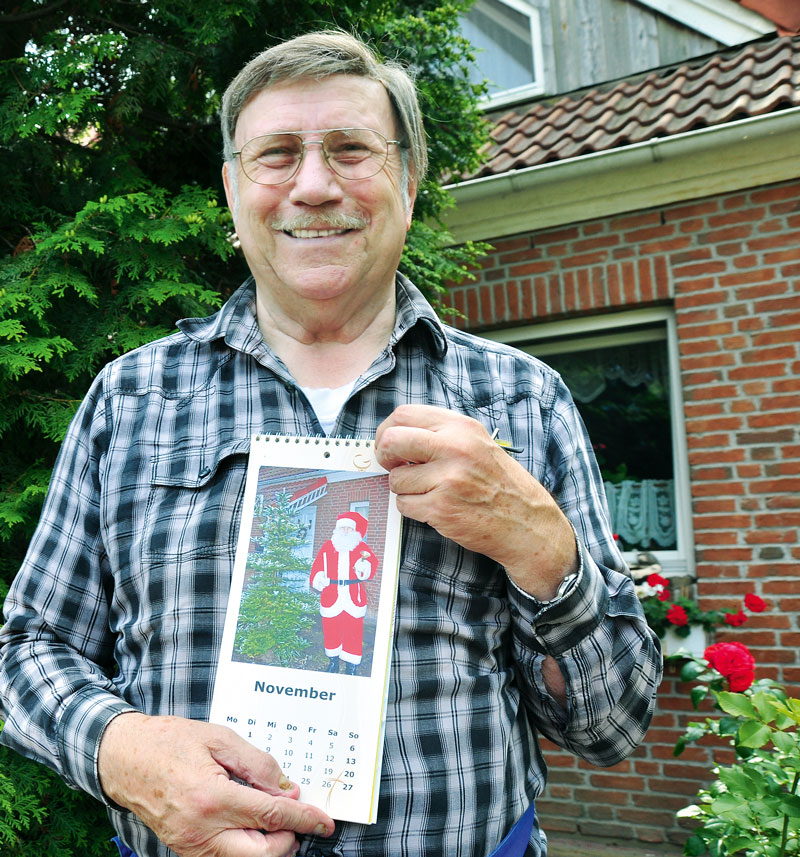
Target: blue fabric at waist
x=517, y=839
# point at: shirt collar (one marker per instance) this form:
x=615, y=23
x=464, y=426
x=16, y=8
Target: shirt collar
x=236, y=323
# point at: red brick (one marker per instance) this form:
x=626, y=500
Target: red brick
x=732, y=455
x=695, y=442
x=774, y=337
x=569, y=233
x=775, y=193
x=743, y=215
x=771, y=420
x=503, y=245
x=762, y=355
x=703, y=409
x=710, y=555
x=765, y=277
x=777, y=305
x=704, y=330
x=705, y=298
x=768, y=370
x=785, y=239
x=540, y=267
x=775, y=486
x=771, y=537
x=717, y=424
x=711, y=361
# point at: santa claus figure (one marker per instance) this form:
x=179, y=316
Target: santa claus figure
x=343, y=563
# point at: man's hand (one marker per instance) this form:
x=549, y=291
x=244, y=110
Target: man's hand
x=448, y=472
x=176, y=775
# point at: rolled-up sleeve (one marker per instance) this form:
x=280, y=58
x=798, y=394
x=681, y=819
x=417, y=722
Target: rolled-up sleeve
x=597, y=632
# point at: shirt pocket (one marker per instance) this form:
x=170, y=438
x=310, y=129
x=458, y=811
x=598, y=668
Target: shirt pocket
x=194, y=504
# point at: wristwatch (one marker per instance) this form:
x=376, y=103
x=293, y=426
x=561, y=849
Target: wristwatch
x=564, y=588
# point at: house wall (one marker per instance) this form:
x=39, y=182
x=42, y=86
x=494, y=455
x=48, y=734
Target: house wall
x=730, y=267
x=587, y=42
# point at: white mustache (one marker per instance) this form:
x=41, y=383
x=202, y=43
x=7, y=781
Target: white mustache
x=323, y=220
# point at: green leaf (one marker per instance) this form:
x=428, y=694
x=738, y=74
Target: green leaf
x=735, y=703
x=691, y=670
x=790, y=805
x=763, y=704
x=785, y=742
x=754, y=735
x=694, y=846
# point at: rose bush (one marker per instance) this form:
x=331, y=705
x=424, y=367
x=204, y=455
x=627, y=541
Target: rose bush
x=752, y=808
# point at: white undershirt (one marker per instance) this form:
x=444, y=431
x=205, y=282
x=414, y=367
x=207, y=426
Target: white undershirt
x=327, y=402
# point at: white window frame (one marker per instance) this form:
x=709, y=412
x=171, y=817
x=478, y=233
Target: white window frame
x=361, y=507
x=528, y=90
x=619, y=329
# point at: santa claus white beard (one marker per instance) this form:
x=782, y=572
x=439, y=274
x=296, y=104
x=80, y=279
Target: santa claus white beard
x=345, y=542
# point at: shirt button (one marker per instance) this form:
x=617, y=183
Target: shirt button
x=205, y=472
x=542, y=629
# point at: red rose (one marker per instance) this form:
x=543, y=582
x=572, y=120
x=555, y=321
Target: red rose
x=677, y=615
x=657, y=580
x=734, y=662
x=739, y=681
x=735, y=619
x=664, y=595
x=755, y=603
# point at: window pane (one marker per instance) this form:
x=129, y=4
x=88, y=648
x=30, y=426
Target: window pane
x=622, y=393
x=502, y=37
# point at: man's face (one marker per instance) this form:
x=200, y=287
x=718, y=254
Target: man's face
x=319, y=263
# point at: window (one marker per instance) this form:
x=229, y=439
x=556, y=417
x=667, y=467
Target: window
x=508, y=45
x=622, y=372
x=361, y=507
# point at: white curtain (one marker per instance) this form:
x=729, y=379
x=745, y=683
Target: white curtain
x=642, y=513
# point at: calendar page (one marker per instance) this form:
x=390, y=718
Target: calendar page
x=304, y=664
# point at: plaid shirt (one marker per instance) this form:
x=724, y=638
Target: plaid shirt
x=120, y=603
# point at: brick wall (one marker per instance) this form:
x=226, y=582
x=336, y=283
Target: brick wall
x=730, y=266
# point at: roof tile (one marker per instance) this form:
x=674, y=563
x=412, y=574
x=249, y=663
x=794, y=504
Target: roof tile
x=752, y=80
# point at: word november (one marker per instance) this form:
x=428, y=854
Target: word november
x=304, y=692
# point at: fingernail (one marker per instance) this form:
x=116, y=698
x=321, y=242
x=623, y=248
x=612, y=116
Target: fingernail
x=283, y=783
x=321, y=830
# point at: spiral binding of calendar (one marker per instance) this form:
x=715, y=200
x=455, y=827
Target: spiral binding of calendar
x=317, y=441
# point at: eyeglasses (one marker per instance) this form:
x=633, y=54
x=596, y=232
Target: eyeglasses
x=352, y=153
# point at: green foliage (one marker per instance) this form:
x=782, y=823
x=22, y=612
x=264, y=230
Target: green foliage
x=273, y=612
x=112, y=227
x=41, y=818
x=753, y=806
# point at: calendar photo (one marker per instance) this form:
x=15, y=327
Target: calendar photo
x=304, y=663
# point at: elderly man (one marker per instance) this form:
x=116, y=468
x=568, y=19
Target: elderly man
x=515, y=614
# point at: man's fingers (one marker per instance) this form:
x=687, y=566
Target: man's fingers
x=400, y=445
x=250, y=764
x=255, y=843
x=422, y=416
x=249, y=808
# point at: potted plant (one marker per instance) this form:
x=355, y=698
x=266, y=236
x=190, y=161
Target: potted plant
x=678, y=621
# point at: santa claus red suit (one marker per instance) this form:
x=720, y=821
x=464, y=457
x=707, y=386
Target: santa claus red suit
x=343, y=563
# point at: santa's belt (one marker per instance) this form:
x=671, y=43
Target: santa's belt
x=342, y=582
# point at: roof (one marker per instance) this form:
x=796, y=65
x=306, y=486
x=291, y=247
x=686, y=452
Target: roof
x=758, y=78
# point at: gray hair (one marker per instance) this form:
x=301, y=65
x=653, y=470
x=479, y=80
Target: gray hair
x=323, y=54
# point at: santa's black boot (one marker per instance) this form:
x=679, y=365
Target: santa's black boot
x=352, y=669
x=333, y=666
